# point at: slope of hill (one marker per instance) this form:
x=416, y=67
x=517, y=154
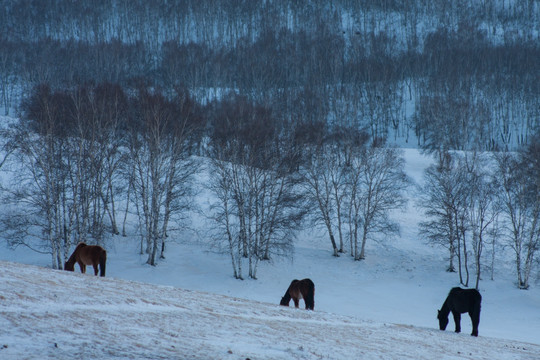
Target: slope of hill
x=401, y=281
x=60, y=315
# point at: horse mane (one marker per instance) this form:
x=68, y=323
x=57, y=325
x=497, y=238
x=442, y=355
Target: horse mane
x=71, y=261
x=445, y=308
x=287, y=297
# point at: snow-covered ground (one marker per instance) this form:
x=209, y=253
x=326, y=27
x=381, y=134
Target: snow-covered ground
x=60, y=315
x=190, y=306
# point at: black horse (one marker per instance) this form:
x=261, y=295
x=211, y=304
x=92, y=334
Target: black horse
x=461, y=301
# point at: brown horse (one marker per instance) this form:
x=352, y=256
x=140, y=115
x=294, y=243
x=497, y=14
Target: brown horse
x=300, y=289
x=87, y=255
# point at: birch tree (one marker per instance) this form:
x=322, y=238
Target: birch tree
x=441, y=199
x=159, y=136
x=377, y=183
x=482, y=209
x=37, y=198
x=521, y=208
x=257, y=208
x=319, y=190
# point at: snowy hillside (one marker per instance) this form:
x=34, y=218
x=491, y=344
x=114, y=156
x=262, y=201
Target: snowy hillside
x=60, y=315
x=382, y=307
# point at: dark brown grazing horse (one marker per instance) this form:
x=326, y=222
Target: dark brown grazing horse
x=300, y=289
x=87, y=255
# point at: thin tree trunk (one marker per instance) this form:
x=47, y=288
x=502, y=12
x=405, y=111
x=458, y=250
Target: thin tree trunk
x=130, y=185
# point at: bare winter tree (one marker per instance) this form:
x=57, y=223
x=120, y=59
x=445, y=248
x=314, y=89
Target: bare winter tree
x=111, y=104
x=441, y=198
x=68, y=143
x=377, y=184
x=8, y=75
x=257, y=207
x=346, y=143
x=460, y=211
x=518, y=179
x=322, y=177
x=326, y=177
x=37, y=199
x=98, y=115
x=158, y=142
x=482, y=209
x=224, y=215
x=461, y=201
x=7, y=144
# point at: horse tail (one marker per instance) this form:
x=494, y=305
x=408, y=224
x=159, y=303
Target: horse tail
x=102, y=262
x=477, y=305
x=475, y=313
x=309, y=298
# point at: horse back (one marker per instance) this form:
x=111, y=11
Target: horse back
x=92, y=254
x=464, y=300
x=80, y=246
x=301, y=288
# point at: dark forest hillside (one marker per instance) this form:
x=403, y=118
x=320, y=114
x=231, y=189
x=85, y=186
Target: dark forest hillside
x=460, y=74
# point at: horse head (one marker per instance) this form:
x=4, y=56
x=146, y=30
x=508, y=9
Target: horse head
x=443, y=320
x=69, y=266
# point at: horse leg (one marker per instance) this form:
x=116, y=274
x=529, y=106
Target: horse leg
x=457, y=320
x=296, y=301
x=82, y=266
x=95, y=269
x=475, y=319
x=310, y=303
x=307, y=301
x=103, y=262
